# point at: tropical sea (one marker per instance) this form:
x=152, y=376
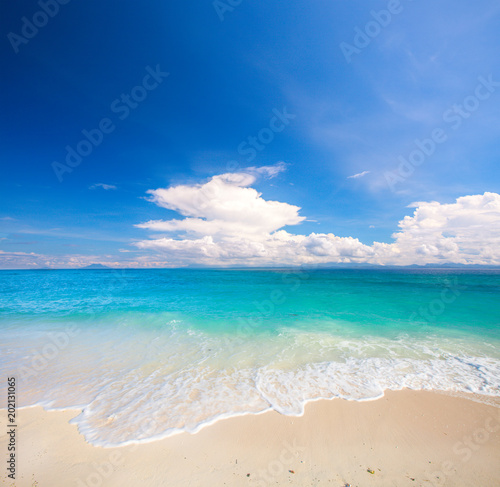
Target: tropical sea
x=144, y=354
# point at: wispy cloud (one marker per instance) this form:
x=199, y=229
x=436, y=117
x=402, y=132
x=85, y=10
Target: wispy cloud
x=103, y=186
x=267, y=171
x=358, y=175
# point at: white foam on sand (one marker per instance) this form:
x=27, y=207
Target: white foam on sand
x=136, y=386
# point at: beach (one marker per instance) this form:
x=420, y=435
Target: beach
x=251, y=378
x=250, y=244
x=414, y=438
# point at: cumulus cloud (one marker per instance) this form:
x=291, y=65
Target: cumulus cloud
x=278, y=248
x=103, y=186
x=223, y=206
x=467, y=231
x=227, y=222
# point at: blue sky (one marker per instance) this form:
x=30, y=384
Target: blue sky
x=425, y=78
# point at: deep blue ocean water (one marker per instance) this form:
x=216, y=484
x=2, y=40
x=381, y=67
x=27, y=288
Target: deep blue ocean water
x=148, y=353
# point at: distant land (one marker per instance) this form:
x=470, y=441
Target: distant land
x=326, y=266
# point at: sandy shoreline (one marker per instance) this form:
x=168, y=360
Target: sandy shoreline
x=405, y=438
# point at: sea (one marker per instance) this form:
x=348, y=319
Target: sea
x=141, y=354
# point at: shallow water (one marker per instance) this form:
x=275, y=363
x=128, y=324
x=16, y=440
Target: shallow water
x=149, y=353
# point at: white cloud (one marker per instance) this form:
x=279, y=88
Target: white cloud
x=359, y=175
x=267, y=171
x=223, y=206
x=31, y=260
x=103, y=186
x=278, y=248
x=467, y=231
x=228, y=223
x=21, y=259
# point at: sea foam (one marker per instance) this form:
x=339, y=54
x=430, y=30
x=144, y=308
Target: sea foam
x=140, y=386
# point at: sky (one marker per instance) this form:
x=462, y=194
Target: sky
x=237, y=133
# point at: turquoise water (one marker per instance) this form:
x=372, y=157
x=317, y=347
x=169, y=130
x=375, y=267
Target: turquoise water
x=149, y=353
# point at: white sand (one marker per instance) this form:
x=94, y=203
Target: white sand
x=407, y=438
